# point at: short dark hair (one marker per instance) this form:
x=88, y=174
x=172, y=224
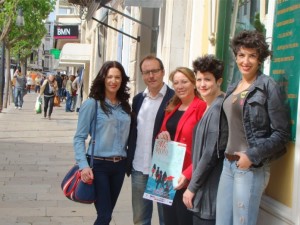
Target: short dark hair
x=152, y=57
x=251, y=39
x=209, y=63
x=98, y=87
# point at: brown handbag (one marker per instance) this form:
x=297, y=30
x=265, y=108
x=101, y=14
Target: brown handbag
x=56, y=101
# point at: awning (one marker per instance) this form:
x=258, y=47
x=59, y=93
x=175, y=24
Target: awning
x=75, y=53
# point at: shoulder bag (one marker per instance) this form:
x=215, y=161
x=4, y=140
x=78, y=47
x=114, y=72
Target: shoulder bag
x=72, y=185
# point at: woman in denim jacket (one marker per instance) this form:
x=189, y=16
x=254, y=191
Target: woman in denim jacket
x=110, y=91
x=254, y=130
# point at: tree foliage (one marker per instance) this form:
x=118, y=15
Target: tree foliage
x=23, y=39
x=7, y=16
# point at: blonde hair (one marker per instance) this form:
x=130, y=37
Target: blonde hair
x=191, y=76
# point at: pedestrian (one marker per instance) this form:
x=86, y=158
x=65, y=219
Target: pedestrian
x=37, y=82
x=64, y=83
x=110, y=90
x=19, y=88
x=69, y=93
x=59, y=84
x=183, y=112
x=29, y=83
x=49, y=90
x=255, y=129
x=149, y=107
x=201, y=193
x=77, y=85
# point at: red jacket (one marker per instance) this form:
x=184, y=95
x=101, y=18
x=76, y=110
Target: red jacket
x=184, y=130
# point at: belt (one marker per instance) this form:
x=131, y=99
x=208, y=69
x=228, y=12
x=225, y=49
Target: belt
x=110, y=159
x=231, y=157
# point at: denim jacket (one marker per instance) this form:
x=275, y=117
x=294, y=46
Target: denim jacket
x=265, y=120
x=111, y=132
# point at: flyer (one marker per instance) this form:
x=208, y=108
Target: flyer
x=166, y=168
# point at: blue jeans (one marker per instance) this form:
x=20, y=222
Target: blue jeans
x=19, y=94
x=108, y=179
x=69, y=101
x=142, y=208
x=239, y=194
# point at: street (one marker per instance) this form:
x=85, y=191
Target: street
x=35, y=155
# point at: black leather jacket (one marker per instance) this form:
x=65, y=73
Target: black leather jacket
x=266, y=121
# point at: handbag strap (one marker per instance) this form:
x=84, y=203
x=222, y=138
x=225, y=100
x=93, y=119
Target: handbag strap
x=94, y=135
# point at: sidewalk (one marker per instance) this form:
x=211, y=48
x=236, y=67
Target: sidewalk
x=35, y=155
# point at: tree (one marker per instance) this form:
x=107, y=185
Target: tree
x=22, y=39
x=7, y=16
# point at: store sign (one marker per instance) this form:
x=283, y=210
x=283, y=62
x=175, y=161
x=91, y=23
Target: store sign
x=285, y=66
x=66, y=32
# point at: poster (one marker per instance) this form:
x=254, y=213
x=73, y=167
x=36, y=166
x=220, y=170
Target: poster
x=166, y=168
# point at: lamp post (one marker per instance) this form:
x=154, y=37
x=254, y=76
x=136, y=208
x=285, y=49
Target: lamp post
x=19, y=22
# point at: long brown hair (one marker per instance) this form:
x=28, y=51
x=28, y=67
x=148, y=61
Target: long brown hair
x=98, y=87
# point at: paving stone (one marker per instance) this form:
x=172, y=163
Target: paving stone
x=35, y=156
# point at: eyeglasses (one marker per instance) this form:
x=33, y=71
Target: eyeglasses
x=154, y=72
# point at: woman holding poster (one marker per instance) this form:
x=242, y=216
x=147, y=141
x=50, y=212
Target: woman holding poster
x=182, y=114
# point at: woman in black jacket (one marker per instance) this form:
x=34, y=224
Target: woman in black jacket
x=256, y=128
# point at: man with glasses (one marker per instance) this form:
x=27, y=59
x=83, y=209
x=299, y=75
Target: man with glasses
x=148, y=106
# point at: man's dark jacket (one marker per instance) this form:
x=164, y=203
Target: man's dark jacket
x=136, y=105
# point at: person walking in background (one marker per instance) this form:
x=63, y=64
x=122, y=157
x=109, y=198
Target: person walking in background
x=59, y=84
x=149, y=107
x=69, y=93
x=29, y=83
x=110, y=91
x=255, y=129
x=201, y=193
x=77, y=85
x=19, y=88
x=183, y=112
x=49, y=90
x=37, y=83
x=64, y=84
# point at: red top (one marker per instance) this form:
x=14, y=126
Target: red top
x=184, y=130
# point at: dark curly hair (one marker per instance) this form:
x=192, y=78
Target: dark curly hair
x=251, y=39
x=98, y=87
x=209, y=63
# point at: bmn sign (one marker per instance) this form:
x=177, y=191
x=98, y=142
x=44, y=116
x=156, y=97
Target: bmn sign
x=66, y=32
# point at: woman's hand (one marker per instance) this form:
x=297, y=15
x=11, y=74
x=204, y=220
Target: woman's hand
x=87, y=175
x=164, y=135
x=182, y=182
x=188, y=198
x=244, y=162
